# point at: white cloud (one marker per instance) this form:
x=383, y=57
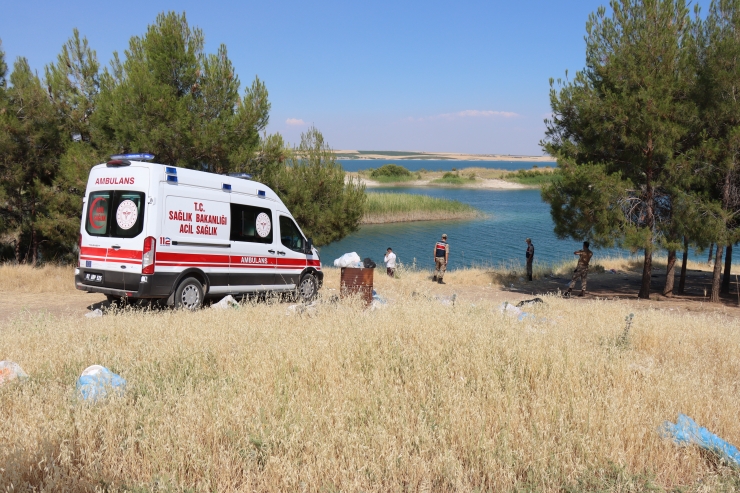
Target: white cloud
x=466, y=114
x=295, y=122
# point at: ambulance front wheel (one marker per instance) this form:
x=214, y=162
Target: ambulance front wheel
x=189, y=294
x=308, y=288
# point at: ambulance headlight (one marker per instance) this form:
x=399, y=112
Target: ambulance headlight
x=77, y=272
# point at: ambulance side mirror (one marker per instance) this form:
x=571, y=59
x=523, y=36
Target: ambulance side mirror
x=309, y=246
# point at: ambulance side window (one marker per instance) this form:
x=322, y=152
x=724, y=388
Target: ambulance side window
x=252, y=224
x=290, y=235
x=98, y=210
x=115, y=213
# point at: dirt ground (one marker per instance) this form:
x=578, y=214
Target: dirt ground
x=468, y=286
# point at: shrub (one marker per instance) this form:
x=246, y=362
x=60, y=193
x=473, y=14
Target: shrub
x=391, y=170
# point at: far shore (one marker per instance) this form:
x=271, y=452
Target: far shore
x=447, y=156
x=487, y=184
x=469, y=178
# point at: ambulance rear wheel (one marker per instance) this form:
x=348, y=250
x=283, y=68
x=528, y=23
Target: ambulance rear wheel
x=308, y=288
x=189, y=294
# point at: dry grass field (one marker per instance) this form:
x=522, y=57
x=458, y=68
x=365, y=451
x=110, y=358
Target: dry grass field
x=420, y=394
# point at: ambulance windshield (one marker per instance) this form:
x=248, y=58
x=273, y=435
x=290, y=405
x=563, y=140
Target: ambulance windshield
x=115, y=213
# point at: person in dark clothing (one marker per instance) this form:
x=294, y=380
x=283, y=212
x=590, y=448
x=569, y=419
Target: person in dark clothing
x=441, y=255
x=530, y=258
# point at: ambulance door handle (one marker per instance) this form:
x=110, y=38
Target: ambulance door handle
x=281, y=253
x=116, y=247
x=271, y=251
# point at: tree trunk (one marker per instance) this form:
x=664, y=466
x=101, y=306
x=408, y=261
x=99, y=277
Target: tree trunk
x=670, y=272
x=18, y=250
x=34, y=236
x=682, y=281
x=647, y=266
x=647, y=269
x=711, y=250
x=714, y=298
x=725, y=289
x=34, y=247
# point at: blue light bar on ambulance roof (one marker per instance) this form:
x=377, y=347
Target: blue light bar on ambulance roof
x=170, y=173
x=226, y=187
x=142, y=156
x=261, y=193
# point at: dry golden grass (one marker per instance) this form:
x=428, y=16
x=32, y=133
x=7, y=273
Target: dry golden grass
x=49, y=278
x=415, y=396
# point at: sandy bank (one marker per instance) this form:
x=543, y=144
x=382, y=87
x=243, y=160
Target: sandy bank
x=402, y=155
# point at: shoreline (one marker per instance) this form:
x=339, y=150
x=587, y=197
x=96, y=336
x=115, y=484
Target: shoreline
x=485, y=184
x=483, y=179
x=429, y=156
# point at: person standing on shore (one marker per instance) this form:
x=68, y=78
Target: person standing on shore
x=530, y=258
x=441, y=256
x=581, y=272
x=390, y=262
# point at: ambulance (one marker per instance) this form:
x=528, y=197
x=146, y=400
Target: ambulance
x=156, y=232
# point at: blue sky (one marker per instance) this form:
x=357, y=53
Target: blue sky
x=434, y=76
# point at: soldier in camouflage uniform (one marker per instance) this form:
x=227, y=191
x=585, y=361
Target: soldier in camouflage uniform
x=581, y=272
x=441, y=255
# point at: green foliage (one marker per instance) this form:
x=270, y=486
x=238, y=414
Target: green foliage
x=621, y=125
x=170, y=98
x=532, y=177
x=393, y=171
x=450, y=178
x=394, y=203
x=718, y=60
x=312, y=185
x=29, y=150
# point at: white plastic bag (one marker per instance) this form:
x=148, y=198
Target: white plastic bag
x=97, y=381
x=225, y=303
x=10, y=371
x=348, y=260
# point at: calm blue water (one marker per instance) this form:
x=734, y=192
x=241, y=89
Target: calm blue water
x=513, y=216
x=438, y=165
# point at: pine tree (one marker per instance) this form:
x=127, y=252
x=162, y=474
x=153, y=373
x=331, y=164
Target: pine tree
x=719, y=83
x=618, y=127
x=170, y=98
x=29, y=155
x=312, y=184
x=74, y=85
x=6, y=223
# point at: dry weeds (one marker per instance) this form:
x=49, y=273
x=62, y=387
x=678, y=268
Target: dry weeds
x=49, y=278
x=419, y=395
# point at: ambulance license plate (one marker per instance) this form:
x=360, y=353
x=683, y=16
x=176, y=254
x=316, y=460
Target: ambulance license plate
x=91, y=277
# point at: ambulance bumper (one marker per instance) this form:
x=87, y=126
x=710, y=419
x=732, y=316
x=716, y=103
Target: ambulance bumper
x=129, y=285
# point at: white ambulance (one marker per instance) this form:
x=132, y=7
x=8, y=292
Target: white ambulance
x=151, y=231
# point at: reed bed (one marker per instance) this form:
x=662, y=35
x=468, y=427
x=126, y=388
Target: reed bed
x=397, y=207
x=418, y=395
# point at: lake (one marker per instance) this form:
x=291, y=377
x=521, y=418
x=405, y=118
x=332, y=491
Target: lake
x=513, y=215
x=439, y=164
